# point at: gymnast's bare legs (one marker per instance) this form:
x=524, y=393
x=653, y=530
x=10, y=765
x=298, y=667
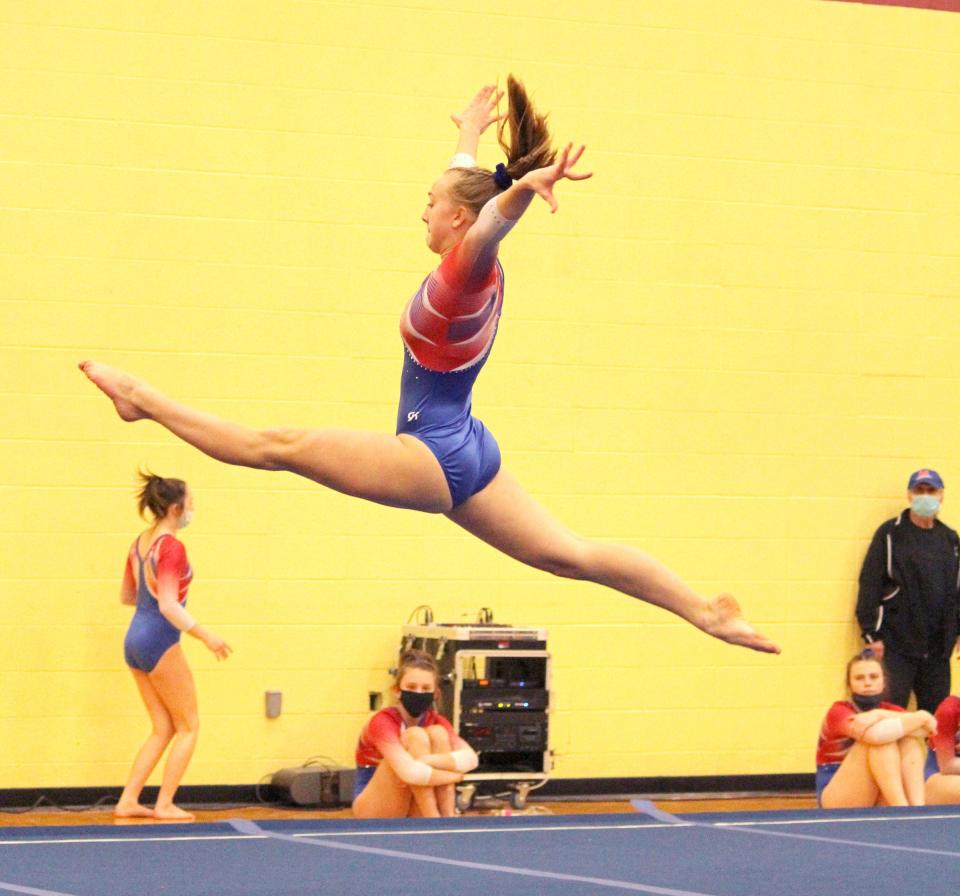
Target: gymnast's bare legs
x=400, y=471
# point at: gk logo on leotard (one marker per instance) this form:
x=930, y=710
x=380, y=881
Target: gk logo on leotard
x=413, y=415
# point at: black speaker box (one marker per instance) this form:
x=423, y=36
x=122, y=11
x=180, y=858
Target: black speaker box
x=314, y=786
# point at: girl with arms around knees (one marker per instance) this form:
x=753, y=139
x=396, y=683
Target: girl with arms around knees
x=441, y=458
x=870, y=752
x=944, y=785
x=408, y=756
x=155, y=581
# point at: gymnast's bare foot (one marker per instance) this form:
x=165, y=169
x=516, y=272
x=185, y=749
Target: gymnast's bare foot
x=724, y=620
x=132, y=810
x=117, y=386
x=173, y=813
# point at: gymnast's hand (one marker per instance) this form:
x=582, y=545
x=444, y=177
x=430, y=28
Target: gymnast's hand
x=481, y=111
x=542, y=180
x=929, y=723
x=723, y=619
x=218, y=647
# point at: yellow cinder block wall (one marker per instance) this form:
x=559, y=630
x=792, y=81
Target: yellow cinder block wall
x=730, y=347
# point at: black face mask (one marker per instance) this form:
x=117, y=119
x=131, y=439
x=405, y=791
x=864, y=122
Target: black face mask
x=416, y=702
x=866, y=702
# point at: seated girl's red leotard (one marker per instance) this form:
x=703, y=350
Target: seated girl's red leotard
x=833, y=743
x=385, y=728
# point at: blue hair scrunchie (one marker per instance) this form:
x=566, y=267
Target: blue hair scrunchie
x=502, y=178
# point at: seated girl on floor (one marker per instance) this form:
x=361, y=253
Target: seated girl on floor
x=870, y=752
x=944, y=785
x=409, y=758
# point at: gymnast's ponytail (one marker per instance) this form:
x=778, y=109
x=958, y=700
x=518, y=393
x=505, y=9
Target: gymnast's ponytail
x=527, y=149
x=158, y=495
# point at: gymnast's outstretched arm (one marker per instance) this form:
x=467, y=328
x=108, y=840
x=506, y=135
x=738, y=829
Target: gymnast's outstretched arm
x=480, y=113
x=514, y=201
x=470, y=262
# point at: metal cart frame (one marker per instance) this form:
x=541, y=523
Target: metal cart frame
x=456, y=646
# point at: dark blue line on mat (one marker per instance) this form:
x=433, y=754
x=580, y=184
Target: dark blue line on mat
x=244, y=826
x=648, y=808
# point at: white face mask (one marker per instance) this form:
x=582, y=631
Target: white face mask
x=184, y=519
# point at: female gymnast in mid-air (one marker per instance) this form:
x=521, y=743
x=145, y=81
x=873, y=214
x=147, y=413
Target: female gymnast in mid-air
x=442, y=459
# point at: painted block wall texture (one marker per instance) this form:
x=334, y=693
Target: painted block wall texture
x=730, y=348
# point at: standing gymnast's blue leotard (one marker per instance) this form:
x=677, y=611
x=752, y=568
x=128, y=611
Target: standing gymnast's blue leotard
x=150, y=635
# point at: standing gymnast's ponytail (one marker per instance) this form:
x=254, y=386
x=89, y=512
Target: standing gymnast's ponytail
x=158, y=494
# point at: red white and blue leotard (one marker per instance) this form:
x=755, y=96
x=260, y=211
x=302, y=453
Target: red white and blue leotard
x=834, y=743
x=385, y=727
x=448, y=329
x=150, y=634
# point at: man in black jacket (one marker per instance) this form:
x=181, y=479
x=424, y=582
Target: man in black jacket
x=909, y=599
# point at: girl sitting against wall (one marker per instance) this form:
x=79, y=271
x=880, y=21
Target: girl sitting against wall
x=870, y=752
x=409, y=759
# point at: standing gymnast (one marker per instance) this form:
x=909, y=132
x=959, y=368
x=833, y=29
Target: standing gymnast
x=408, y=756
x=870, y=752
x=442, y=459
x=155, y=580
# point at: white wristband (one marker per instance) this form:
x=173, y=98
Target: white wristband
x=419, y=773
x=463, y=160
x=464, y=760
x=412, y=771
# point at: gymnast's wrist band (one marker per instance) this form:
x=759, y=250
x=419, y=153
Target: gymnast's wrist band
x=464, y=760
